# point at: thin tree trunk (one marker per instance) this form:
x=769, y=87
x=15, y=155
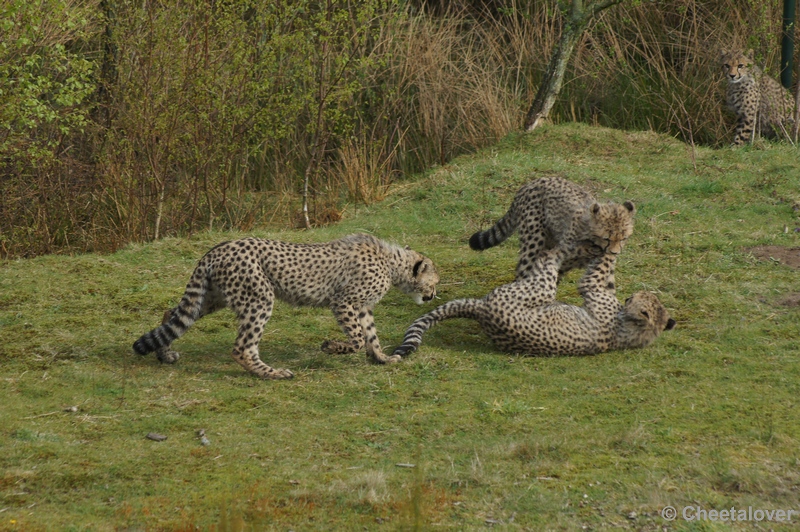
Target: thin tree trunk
x=317, y=150
x=579, y=18
x=796, y=126
x=320, y=141
x=108, y=69
x=159, y=212
x=553, y=79
x=322, y=96
x=306, y=179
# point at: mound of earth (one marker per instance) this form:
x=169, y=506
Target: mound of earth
x=792, y=300
x=787, y=256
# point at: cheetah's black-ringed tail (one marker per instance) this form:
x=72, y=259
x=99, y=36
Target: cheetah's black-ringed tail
x=458, y=308
x=181, y=317
x=497, y=234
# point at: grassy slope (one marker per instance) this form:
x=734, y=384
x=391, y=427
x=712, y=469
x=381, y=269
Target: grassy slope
x=705, y=416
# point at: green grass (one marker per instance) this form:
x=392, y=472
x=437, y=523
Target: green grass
x=706, y=416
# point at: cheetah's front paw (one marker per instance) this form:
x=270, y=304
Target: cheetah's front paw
x=383, y=359
x=276, y=373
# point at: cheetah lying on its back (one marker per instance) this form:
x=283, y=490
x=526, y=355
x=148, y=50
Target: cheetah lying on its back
x=524, y=316
x=758, y=101
x=552, y=212
x=349, y=275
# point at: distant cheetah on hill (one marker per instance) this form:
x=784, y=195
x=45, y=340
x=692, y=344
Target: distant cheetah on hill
x=759, y=102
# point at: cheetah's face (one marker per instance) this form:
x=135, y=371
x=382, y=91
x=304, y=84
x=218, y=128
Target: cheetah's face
x=422, y=285
x=610, y=225
x=647, y=312
x=735, y=65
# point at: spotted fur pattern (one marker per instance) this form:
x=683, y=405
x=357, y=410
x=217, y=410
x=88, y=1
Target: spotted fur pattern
x=759, y=102
x=349, y=275
x=524, y=317
x=551, y=212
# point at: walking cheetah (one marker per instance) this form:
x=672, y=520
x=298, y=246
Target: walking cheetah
x=349, y=275
x=524, y=316
x=758, y=101
x=552, y=212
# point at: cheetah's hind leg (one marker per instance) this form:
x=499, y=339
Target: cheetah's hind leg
x=253, y=313
x=165, y=354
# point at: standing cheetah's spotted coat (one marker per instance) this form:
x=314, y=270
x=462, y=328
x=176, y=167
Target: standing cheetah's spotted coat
x=551, y=212
x=349, y=275
x=524, y=317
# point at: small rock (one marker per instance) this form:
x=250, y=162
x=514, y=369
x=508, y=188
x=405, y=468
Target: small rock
x=155, y=436
x=71, y=409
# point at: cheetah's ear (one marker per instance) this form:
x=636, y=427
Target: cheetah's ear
x=670, y=324
x=630, y=206
x=419, y=267
x=408, y=248
x=595, y=208
x=749, y=54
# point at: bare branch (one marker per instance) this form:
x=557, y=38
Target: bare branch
x=602, y=5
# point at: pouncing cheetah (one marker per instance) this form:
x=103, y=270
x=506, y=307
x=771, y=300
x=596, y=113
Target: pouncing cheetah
x=552, y=212
x=349, y=275
x=524, y=317
x=759, y=102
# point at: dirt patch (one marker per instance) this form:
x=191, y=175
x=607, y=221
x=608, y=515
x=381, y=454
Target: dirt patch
x=787, y=256
x=792, y=300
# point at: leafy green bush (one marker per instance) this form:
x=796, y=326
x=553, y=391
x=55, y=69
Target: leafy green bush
x=45, y=80
x=46, y=85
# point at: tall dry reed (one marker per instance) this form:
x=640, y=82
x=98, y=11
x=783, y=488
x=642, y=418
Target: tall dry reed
x=213, y=114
